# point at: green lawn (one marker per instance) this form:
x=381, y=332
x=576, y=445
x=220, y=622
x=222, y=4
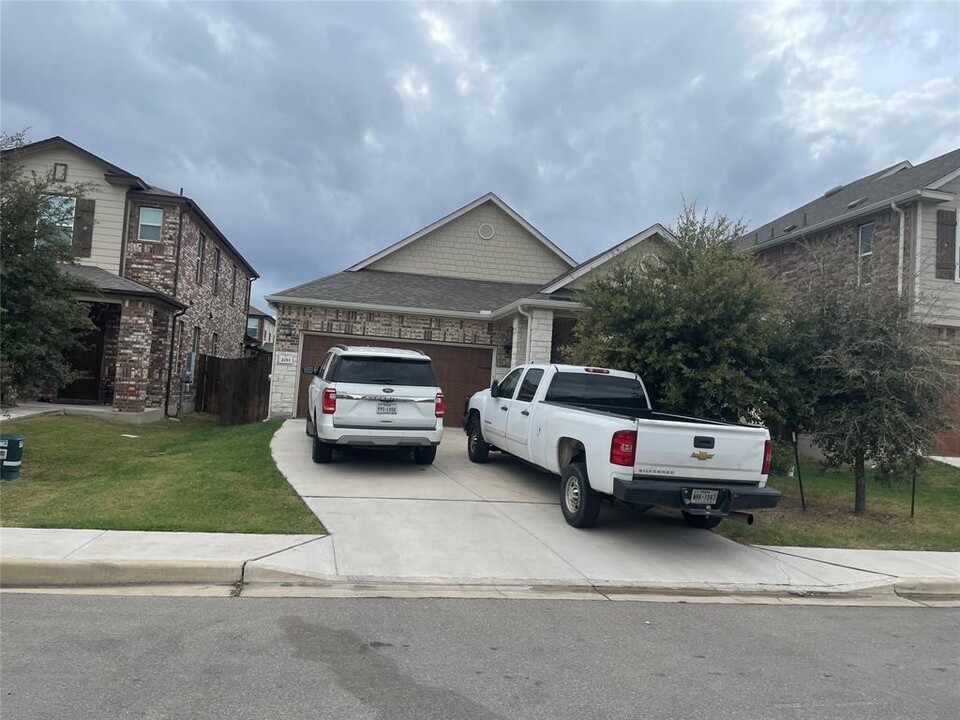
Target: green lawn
x=830, y=522
x=187, y=476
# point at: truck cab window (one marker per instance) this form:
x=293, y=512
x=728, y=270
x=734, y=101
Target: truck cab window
x=531, y=381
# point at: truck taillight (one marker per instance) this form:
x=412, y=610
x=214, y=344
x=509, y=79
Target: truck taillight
x=767, y=457
x=440, y=406
x=623, y=447
x=328, y=402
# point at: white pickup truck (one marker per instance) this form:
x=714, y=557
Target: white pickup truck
x=595, y=428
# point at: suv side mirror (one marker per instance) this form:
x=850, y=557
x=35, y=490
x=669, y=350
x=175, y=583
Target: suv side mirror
x=309, y=370
x=494, y=387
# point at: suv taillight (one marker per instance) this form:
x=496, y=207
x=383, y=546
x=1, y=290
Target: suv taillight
x=767, y=457
x=623, y=447
x=328, y=403
x=441, y=406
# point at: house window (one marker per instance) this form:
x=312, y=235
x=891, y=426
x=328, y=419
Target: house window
x=59, y=214
x=253, y=327
x=216, y=270
x=216, y=342
x=201, y=246
x=60, y=172
x=947, y=260
x=233, y=287
x=865, y=266
x=151, y=220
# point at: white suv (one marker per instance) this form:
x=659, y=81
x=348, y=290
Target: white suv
x=374, y=396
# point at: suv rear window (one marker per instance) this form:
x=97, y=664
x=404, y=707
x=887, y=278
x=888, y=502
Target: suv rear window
x=388, y=371
x=598, y=391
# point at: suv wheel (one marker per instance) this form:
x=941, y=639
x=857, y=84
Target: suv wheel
x=425, y=455
x=322, y=452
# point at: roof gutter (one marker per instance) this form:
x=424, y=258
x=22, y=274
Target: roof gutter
x=935, y=195
x=484, y=315
x=903, y=220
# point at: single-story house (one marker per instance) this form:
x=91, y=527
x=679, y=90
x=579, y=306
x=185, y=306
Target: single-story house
x=479, y=290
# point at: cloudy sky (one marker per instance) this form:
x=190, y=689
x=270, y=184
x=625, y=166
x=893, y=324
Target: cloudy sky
x=314, y=134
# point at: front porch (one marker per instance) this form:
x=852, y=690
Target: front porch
x=539, y=335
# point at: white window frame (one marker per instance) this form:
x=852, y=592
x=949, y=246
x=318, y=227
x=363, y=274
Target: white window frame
x=141, y=223
x=861, y=254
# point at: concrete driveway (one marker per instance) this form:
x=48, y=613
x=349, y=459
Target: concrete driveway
x=500, y=522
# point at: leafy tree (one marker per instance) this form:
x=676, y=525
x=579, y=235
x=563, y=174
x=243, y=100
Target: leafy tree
x=699, y=327
x=871, y=377
x=39, y=319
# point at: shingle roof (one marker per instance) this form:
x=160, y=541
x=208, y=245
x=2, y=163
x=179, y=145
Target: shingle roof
x=257, y=312
x=110, y=284
x=378, y=287
x=875, y=188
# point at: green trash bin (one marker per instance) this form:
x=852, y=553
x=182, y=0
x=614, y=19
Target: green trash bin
x=11, y=455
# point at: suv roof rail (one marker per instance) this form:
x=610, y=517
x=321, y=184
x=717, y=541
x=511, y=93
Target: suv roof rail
x=341, y=346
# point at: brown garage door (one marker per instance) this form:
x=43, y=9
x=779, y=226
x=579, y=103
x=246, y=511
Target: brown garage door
x=461, y=370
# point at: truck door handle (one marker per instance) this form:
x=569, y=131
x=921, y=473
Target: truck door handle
x=524, y=412
x=503, y=407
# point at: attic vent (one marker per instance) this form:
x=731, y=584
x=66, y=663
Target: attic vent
x=856, y=202
x=790, y=227
x=485, y=231
x=833, y=191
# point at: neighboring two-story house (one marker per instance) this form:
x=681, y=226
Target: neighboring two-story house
x=897, y=227
x=168, y=285
x=261, y=329
x=479, y=290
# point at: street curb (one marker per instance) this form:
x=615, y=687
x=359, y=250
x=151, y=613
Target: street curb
x=928, y=588
x=24, y=572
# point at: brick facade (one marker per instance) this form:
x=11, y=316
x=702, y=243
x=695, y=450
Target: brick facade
x=292, y=320
x=222, y=312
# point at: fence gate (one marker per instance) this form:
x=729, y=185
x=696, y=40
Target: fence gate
x=236, y=389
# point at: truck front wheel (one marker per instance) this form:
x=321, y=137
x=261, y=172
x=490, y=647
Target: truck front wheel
x=579, y=502
x=478, y=450
x=704, y=522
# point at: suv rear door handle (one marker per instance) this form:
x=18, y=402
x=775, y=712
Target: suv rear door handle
x=524, y=412
x=503, y=407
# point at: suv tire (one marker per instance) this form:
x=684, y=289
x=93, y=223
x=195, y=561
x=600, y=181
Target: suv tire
x=425, y=455
x=322, y=452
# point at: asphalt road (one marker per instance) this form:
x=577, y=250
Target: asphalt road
x=126, y=657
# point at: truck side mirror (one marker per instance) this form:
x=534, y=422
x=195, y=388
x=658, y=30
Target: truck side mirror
x=494, y=387
x=309, y=369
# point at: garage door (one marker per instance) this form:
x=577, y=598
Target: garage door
x=461, y=370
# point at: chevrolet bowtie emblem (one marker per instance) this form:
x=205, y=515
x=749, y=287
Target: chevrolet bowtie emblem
x=702, y=455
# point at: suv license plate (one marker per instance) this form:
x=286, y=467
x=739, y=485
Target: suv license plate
x=703, y=497
x=386, y=409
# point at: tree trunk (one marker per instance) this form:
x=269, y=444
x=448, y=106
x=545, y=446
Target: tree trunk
x=860, y=480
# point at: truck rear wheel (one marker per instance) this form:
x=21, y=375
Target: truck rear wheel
x=478, y=450
x=704, y=522
x=579, y=502
x=425, y=455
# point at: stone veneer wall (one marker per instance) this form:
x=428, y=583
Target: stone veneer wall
x=292, y=320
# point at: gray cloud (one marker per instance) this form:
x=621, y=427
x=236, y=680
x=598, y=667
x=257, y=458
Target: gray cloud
x=315, y=134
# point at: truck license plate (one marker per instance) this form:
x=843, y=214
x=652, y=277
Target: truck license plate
x=703, y=497
x=386, y=409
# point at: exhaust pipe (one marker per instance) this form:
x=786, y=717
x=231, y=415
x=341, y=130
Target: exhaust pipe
x=741, y=517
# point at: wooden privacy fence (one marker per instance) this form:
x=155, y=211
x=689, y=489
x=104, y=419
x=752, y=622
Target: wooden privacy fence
x=236, y=389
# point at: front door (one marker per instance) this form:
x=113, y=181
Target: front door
x=85, y=359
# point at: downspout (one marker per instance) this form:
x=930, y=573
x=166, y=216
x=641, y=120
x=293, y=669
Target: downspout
x=529, y=324
x=903, y=221
x=173, y=320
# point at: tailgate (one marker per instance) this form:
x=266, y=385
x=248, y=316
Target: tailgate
x=397, y=407
x=675, y=449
